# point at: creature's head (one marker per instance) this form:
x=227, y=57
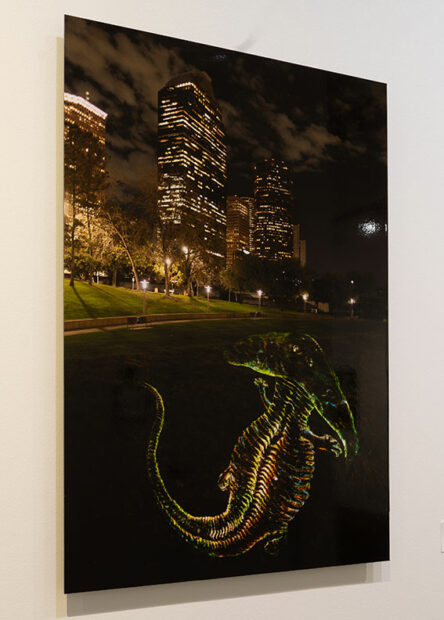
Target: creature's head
x=302, y=360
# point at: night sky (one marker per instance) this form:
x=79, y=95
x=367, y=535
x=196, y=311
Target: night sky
x=329, y=128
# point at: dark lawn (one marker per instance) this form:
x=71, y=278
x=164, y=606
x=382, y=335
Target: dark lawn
x=117, y=536
x=99, y=300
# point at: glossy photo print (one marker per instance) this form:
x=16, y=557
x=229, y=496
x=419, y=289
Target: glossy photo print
x=225, y=290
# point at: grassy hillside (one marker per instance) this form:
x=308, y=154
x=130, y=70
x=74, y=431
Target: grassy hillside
x=85, y=301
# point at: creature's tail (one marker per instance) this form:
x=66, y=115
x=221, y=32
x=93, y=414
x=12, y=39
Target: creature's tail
x=194, y=529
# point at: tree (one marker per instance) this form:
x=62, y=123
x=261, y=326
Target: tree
x=129, y=218
x=333, y=289
x=199, y=266
x=282, y=281
x=85, y=180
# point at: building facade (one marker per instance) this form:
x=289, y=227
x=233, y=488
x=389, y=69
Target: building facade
x=303, y=253
x=239, y=217
x=84, y=129
x=273, y=231
x=192, y=160
x=296, y=241
x=299, y=246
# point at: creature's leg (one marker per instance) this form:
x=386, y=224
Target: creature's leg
x=224, y=479
x=262, y=385
x=274, y=543
x=323, y=442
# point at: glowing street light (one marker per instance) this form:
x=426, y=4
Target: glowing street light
x=352, y=302
x=208, y=289
x=259, y=295
x=305, y=298
x=144, y=284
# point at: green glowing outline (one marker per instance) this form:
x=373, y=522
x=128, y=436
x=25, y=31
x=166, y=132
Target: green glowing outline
x=272, y=463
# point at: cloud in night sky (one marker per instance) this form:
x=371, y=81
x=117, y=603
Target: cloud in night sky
x=123, y=70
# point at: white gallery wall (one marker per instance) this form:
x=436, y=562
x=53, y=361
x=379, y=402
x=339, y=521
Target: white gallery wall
x=396, y=41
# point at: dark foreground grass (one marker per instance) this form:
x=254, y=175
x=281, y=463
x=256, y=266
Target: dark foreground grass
x=116, y=534
x=99, y=300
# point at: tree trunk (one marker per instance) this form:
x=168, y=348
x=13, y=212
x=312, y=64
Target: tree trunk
x=90, y=269
x=167, y=280
x=133, y=267
x=115, y=276
x=128, y=253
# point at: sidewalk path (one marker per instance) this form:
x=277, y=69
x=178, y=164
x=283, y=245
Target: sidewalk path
x=150, y=323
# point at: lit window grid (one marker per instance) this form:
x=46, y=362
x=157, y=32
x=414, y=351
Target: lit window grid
x=192, y=145
x=89, y=118
x=273, y=232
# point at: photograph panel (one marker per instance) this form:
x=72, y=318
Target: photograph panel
x=226, y=398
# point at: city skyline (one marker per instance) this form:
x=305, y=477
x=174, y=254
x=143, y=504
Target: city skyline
x=330, y=128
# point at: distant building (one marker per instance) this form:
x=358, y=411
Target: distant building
x=296, y=241
x=84, y=114
x=192, y=159
x=239, y=209
x=299, y=246
x=303, y=252
x=273, y=232
x=252, y=212
x=91, y=120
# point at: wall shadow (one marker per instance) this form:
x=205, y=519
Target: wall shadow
x=231, y=587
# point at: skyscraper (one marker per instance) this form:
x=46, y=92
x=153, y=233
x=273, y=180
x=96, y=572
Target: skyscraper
x=297, y=241
x=86, y=116
x=239, y=209
x=273, y=232
x=192, y=159
x=299, y=246
x=86, y=124
x=303, y=253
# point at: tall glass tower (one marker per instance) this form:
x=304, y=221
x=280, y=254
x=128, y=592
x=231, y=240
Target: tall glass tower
x=192, y=160
x=273, y=232
x=90, y=122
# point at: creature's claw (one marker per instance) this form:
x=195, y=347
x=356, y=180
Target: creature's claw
x=260, y=383
x=224, y=479
x=324, y=442
x=332, y=445
x=273, y=544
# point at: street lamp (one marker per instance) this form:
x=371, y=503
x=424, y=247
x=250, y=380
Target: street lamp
x=144, y=284
x=352, y=302
x=259, y=294
x=208, y=289
x=305, y=298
